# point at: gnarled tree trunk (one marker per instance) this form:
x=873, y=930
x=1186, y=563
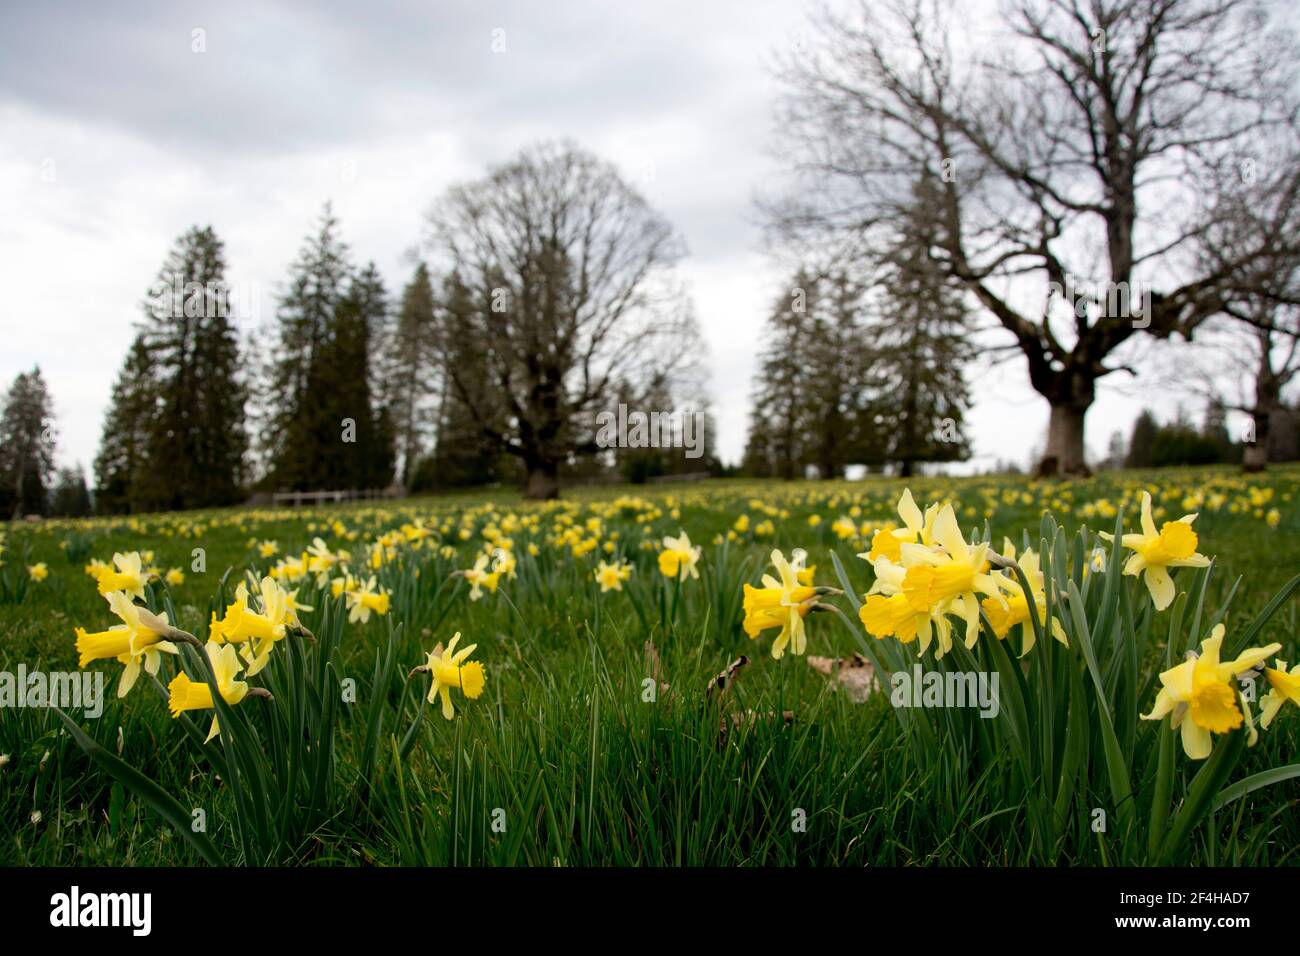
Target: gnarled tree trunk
x=542, y=481
x=1070, y=392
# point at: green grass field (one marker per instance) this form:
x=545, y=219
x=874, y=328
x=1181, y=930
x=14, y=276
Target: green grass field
x=595, y=741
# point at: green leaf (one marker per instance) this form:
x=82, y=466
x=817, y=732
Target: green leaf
x=163, y=803
x=1264, y=779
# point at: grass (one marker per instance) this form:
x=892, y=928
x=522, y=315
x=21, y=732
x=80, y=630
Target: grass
x=595, y=741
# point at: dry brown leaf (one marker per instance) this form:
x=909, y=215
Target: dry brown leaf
x=855, y=674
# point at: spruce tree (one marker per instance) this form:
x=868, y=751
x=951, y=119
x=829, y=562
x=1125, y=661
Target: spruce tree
x=123, y=448
x=297, y=435
x=464, y=452
x=26, y=446
x=347, y=441
x=197, y=440
x=921, y=338
x=411, y=381
x=1141, y=446
x=778, y=423
x=71, y=497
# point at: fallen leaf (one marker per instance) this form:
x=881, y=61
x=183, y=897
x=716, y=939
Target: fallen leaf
x=855, y=674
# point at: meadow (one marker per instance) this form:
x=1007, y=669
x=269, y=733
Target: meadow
x=589, y=725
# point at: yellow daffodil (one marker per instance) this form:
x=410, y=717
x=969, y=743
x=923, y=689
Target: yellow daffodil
x=1013, y=610
x=782, y=603
x=136, y=642
x=38, y=572
x=480, y=577
x=1284, y=686
x=1155, y=552
x=185, y=694
x=679, y=558
x=887, y=542
x=241, y=623
x=126, y=574
x=451, y=669
x=174, y=578
x=1199, y=696
x=612, y=576
x=365, y=599
x=281, y=608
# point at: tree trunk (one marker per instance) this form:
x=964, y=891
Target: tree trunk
x=1254, y=454
x=1065, y=455
x=542, y=481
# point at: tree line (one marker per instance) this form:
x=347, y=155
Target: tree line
x=549, y=297
x=1106, y=174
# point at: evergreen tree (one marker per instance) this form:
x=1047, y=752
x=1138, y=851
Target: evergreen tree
x=26, y=446
x=839, y=363
x=465, y=453
x=123, y=448
x=298, y=439
x=350, y=450
x=411, y=379
x=71, y=497
x=1141, y=445
x=922, y=339
x=780, y=406
x=197, y=440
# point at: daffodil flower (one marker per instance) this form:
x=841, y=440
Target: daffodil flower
x=281, y=608
x=38, y=572
x=365, y=599
x=1285, y=685
x=1155, y=552
x=612, y=576
x=479, y=577
x=136, y=642
x=451, y=668
x=679, y=557
x=887, y=542
x=887, y=612
x=946, y=579
x=1013, y=610
x=241, y=623
x=129, y=575
x=185, y=694
x=782, y=603
x=1199, y=697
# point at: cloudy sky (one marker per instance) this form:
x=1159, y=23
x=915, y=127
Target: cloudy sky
x=120, y=130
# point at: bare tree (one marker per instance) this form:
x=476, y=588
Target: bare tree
x=1069, y=177
x=1248, y=367
x=568, y=297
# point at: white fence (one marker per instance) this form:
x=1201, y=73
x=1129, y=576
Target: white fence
x=295, y=499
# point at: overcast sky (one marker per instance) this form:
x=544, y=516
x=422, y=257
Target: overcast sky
x=116, y=136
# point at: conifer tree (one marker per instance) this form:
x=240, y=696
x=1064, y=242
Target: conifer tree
x=921, y=337
x=123, y=448
x=780, y=399
x=71, y=497
x=411, y=380
x=293, y=397
x=197, y=439
x=26, y=446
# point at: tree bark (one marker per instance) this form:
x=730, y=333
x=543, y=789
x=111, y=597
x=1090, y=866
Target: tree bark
x=1065, y=455
x=1254, y=454
x=542, y=481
